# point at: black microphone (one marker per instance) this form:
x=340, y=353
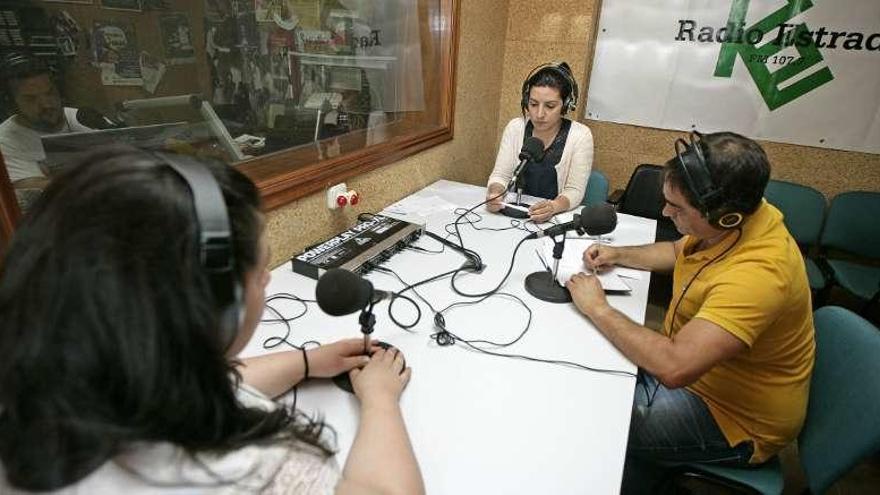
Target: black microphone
x=593, y=220
x=93, y=119
x=532, y=151
x=341, y=292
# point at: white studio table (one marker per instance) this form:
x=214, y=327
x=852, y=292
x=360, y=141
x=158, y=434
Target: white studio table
x=478, y=423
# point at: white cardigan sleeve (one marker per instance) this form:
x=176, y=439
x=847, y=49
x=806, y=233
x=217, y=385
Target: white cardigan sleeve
x=576, y=161
x=508, y=152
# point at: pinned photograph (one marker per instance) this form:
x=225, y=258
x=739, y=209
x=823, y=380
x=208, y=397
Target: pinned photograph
x=117, y=54
x=132, y=5
x=177, y=41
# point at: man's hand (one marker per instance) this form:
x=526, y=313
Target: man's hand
x=341, y=356
x=600, y=256
x=587, y=294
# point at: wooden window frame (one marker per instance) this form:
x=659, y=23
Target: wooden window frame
x=279, y=184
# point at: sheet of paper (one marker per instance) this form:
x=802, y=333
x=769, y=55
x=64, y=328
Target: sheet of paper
x=572, y=263
x=610, y=282
x=420, y=205
x=576, y=247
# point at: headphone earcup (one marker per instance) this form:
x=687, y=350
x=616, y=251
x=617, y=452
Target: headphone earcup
x=725, y=218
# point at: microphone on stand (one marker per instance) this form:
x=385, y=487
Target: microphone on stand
x=532, y=151
x=593, y=220
x=93, y=119
x=340, y=292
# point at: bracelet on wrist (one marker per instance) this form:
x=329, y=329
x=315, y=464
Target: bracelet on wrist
x=306, y=362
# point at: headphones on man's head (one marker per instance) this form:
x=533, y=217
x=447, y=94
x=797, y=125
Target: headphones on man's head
x=699, y=180
x=214, y=240
x=564, y=72
x=15, y=63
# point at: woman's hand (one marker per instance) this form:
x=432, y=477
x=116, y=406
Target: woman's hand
x=495, y=197
x=341, y=356
x=381, y=382
x=542, y=211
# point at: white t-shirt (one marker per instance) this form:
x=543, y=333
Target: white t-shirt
x=165, y=469
x=22, y=148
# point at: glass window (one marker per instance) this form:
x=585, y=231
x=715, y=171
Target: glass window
x=296, y=93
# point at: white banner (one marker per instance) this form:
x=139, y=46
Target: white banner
x=794, y=71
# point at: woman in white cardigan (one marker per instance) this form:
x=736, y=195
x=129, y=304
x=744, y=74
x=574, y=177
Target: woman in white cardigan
x=548, y=93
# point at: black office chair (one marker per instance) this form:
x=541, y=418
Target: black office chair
x=643, y=197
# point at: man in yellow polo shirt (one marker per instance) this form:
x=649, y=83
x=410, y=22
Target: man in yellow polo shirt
x=728, y=378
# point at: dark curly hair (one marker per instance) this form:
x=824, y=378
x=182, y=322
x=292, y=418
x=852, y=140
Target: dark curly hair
x=110, y=334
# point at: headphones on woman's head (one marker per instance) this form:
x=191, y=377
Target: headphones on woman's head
x=214, y=240
x=563, y=71
x=699, y=181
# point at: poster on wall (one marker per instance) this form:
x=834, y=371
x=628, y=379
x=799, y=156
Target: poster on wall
x=177, y=41
x=116, y=53
x=793, y=71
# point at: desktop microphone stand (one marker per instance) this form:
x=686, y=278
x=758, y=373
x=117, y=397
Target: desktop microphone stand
x=543, y=284
x=368, y=321
x=517, y=183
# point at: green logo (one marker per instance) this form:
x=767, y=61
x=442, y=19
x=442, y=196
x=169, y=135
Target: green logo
x=772, y=85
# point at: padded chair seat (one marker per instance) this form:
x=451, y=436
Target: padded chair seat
x=861, y=280
x=814, y=275
x=767, y=478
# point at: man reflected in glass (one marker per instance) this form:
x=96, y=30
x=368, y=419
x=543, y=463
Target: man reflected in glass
x=29, y=83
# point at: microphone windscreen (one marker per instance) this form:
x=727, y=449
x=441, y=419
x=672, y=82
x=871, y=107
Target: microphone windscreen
x=598, y=219
x=533, y=149
x=341, y=292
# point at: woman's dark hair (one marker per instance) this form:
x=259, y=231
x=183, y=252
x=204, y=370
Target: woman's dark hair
x=738, y=166
x=109, y=331
x=551, y=79
x=556, y=76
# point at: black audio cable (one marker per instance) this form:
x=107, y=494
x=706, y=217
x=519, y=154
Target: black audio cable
x=444, y=337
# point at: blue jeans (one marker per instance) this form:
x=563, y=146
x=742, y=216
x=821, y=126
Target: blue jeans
x=668, y=427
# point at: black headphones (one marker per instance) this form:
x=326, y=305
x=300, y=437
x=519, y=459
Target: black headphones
x=699, y=180
x=563, y=71
x=15, y=63
x=215, y=240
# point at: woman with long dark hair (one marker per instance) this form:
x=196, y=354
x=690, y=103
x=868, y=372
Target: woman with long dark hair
x=116, y=378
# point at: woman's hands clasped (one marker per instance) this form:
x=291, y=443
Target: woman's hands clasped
x=382, y=380
x=340, y=356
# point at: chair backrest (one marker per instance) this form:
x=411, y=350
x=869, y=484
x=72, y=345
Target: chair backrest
x=643, y=195
x=597, y=189
x=802, y=206
x=843, y=415
x=851, y=225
